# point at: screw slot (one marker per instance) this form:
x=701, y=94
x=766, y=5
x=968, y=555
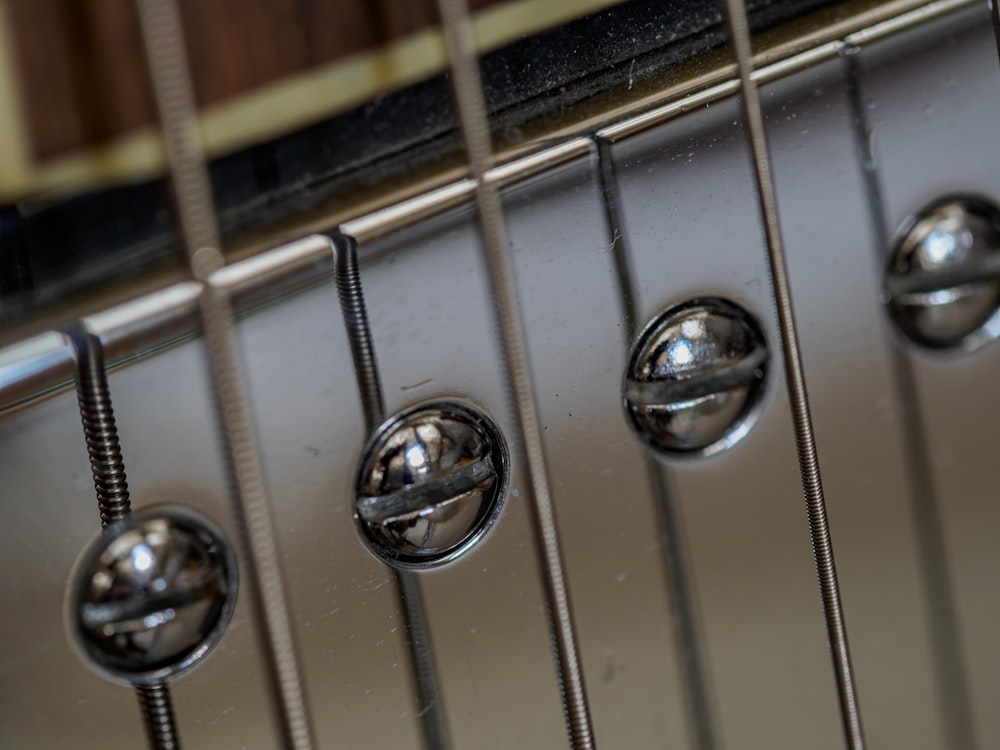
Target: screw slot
x=153, y=595
x=942, y=281
x=695, y=376
x=430, y=484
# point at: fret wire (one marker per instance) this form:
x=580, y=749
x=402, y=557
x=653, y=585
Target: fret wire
x=114, y=503
x=355, y=313
x=805, y=443
x=474, y=127
x=680, y=597
x=27, y=374
x=172, y=88
x=951, y=681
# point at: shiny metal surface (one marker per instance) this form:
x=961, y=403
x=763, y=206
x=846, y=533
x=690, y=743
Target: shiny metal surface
x=943, y=275
x=431, y=483
x=44, y=364
x=34, y=367
x=689, y=233
x=695, y=377
x=152, y=596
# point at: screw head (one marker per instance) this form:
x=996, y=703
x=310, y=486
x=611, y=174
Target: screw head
x=153, y=595
x=431, y=482
x=942, y=285
x=695, y=376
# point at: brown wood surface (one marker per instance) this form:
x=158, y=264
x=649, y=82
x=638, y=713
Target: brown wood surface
x=82, y=74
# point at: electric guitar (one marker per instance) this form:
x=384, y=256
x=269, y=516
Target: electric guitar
x=328, y=383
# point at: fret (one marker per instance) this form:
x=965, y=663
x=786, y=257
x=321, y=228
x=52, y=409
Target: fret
x=46, y=372
x=364, y=223
x=172, y=88
x=140, y=157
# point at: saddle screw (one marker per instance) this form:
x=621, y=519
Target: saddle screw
x=430, y=484
x=695, y=375
x=153, y=595
x=942, y=284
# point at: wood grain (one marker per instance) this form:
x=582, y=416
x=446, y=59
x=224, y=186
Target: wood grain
x=82, y=73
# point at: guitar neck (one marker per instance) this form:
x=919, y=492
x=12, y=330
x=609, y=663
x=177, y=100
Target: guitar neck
x=399, y=147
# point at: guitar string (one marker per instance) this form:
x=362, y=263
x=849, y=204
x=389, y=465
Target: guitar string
x=430, y=705
x=473, y=123
x=114, y=503
x=683, y=608
x=163, y=40
x=951, y=681
x=738, y=29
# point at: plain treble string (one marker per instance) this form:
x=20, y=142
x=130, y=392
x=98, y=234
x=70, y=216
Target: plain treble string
x=805, y=442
